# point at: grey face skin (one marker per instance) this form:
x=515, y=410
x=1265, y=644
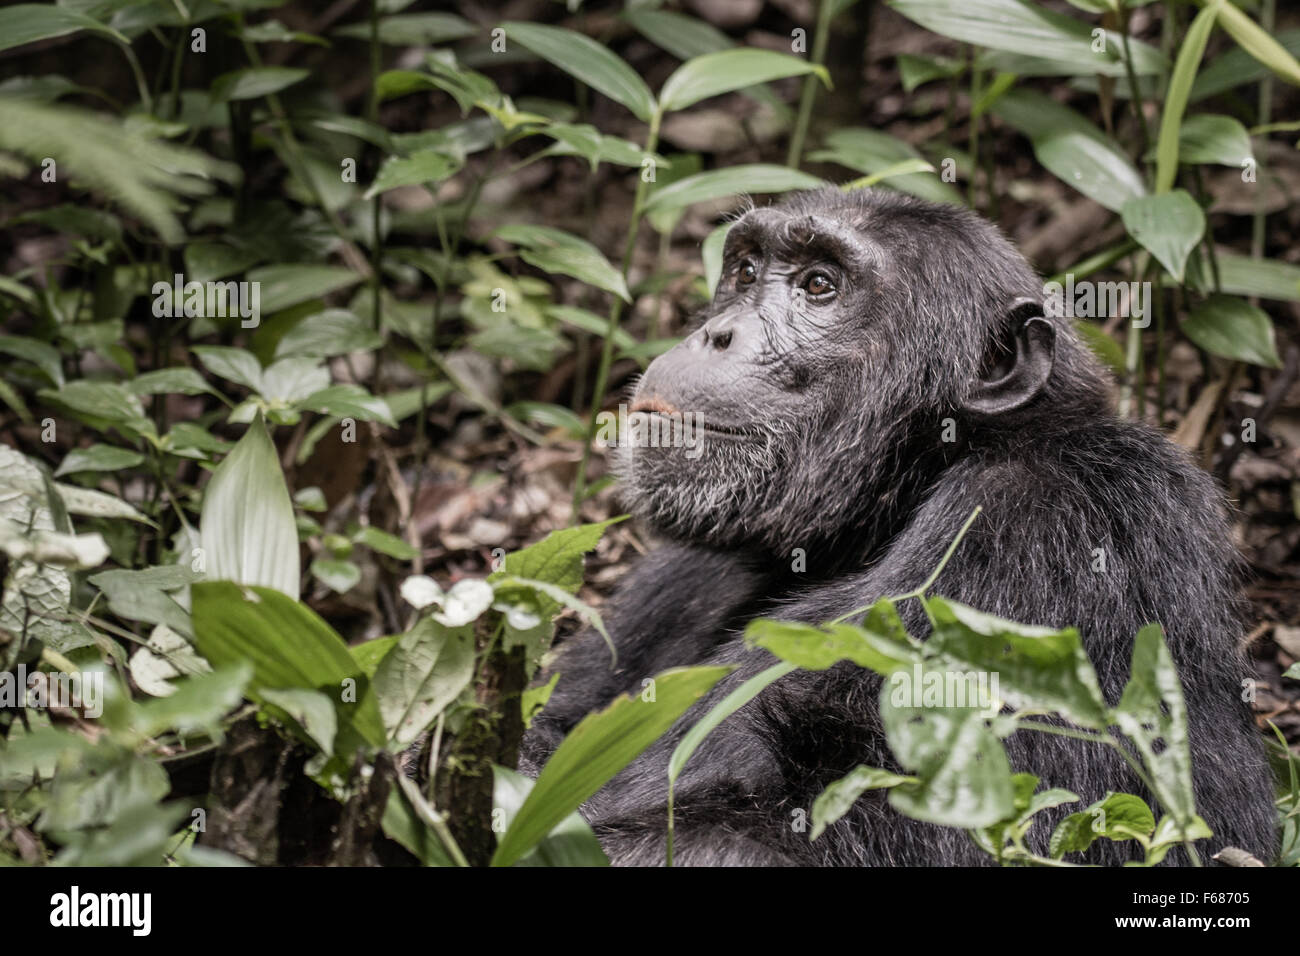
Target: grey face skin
x=820, y=338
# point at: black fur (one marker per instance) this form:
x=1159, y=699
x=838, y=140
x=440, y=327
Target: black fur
x=842, y=409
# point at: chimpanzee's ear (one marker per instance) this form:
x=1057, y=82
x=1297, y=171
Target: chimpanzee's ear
x=1017, y=367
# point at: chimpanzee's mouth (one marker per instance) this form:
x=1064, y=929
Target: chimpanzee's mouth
x=658, y=407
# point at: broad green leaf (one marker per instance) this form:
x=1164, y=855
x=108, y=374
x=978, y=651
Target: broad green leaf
x=426, y=670
x=423, y=168
x=1236, y=68
x=293, y=379
x=28, y=22
x=289, y=646
x=1255, y=40
x=589, y=61
x=197, y=703
x=838, y=798
x=329, y=332
x=571, y=843
x=250, y=83
x=1102, y=344
x=1072, y=148
x=598, y=748
x=1019, y=26
x=368, y=654
x=557, y=558
x=720, y=711
x=1211, y=138
x=1117, y=816
x=339, y=576
x=1233, y=328
x=817, y=648
x=110, y=401
x=1180, y=87
x=349, y=401
x=685, y=37
x=291, y=283
x=409, y=820
x=42, y=355
x=1036, y=667
x=1168, y=225
x=385, y=543
x=965, y=780
x=98, y=458
x=235, y=365
x=726, y=70
x=733, y=181
x=181, y=381
x=554, y=250
x=1266, y=278
x=247, y=526
x=310, y=709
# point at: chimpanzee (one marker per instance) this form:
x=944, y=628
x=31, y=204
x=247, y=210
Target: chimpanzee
x=872, y=368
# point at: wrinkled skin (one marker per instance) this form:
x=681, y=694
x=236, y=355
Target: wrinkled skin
x=850, y=335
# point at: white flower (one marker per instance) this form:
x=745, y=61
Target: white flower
x=464, y=602
x=420, y=591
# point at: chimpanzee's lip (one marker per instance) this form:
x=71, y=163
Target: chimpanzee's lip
x=653, y=405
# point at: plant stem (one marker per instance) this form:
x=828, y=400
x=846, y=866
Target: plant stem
x=809, y=94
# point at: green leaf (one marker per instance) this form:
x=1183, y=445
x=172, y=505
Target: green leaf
x=234, y=365
x=289, y=646
x=196, y=704
x=310, y=709
x=368, y=654
x=250, y=83
x=413, y=29
x=720, y=711
x=557, y=558
x=1153, y=715
x=732, y=181
x=338, y=576
x=1266, y=278
x=916, y=70
x=349, y=401
x=28, y=22
x=1117, y=816
x=554, y=250
x=291, y=283
x=1233, y=328
x=571, y=843
x=584, y=58
x=726, y=70
x=181, y=381
x=1180, y=87
x=838, y=798
x=425, y=167
x=421, y=676
x=1256, y=41
x=871, y=151
x=1037, y=667
x=965, y=780
x=385, y=543
x=904, y=167
x=98, y=458
x=247, y=526
x=1018, y=26
x=1072, y=148
x=1168, y=225
x=685, y=37
x=1210, y=138
x=43, y=356
x=329, y=332
x=1102, y=344
x=817, y=648
x=597, y=749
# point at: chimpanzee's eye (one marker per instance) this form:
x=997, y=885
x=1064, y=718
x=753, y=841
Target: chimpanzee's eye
x=747, y=275
x=818, y=284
